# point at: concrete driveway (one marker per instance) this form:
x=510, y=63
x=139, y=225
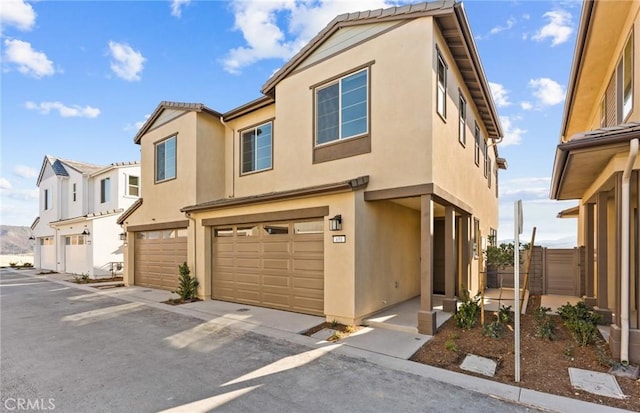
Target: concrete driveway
x=78, y=352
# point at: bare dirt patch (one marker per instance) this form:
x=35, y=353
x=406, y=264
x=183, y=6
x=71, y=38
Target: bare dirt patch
x=544, y=363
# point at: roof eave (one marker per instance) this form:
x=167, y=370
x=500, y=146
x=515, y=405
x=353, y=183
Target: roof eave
x=187, y=107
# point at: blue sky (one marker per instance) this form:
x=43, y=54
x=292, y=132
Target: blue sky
x=79, y=78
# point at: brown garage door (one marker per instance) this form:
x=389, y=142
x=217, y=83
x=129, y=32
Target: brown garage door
x=158, y=255
x=277, y=265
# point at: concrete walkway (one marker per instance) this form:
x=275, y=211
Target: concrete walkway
x=386, y=348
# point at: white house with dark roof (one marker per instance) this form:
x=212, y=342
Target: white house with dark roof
x=76, y=230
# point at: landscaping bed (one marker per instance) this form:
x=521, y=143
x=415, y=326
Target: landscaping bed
x=543, y=365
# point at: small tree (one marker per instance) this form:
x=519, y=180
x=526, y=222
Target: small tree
x=187, y=285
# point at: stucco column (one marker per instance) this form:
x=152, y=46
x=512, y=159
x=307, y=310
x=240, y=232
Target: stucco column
x=465, y=253
x=589, y=255
x=426, y=315
x=449, y=302
x=602, y=300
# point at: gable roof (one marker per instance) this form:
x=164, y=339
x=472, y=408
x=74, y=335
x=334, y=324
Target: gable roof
x=127, y=213
x=453, y=23
x=182, y=106
x=59, y=167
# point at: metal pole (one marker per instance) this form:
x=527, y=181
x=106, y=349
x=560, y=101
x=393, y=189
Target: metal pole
x=517, y=226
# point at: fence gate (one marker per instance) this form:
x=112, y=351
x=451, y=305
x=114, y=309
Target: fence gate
x=562, y=271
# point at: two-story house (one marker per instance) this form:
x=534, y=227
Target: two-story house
x=76, y=231
x=597, y=164
x=362, y=178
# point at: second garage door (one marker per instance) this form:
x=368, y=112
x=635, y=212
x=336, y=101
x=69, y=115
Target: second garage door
x=158, y=255
x=277, y=265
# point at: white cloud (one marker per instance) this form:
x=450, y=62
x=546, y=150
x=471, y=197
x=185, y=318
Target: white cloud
x=18, y=14
x=512, y=134
x=25, y=171
x=73, y=111
x=22, y=194
x=265, y=39
x=526, y=105
x=526, y=188
x=30, y=62
x=508, y=25
x=136, y=126
x=558, y=28
x=500, y=94
x=5, y=184
x=126, y=63
x=177, y=5
x=547, y=91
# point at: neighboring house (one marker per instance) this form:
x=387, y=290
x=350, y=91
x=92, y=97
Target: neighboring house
x=76, y=231
x=363, y=177
x=596, y=163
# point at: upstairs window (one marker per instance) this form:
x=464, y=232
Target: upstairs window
x=342, y=108
x=74, y=193
x=47, y=199
x=441, y=95
x=477, y=138
x=105, y=190
x=166, y=159
x=256, y=152
x=462, y=120
x=625, y=80
x=133, y=185
x=485, y=153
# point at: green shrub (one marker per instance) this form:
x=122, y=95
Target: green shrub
x=545, y=327
x=187, y=285
x=13, y=264
x=581, y=322
x=494, y=329
x=504, y=314
x=451, y=345
x=540, y=313
x=468, y=311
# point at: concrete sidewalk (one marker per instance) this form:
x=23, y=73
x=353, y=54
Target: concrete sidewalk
x=386, y=348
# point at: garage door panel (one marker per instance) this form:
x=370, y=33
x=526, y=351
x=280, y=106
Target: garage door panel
x=157, y=260
x=277, y=270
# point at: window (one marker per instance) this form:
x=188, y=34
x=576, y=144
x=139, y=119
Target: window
x=625, y=80
x=462, y=120
x=342, y=108
x=441, y=95
x=47, y=199
x=489, y=173
x=166, y=160
x=308, y=227
x=476, y=237
x=485, y=153
x=46, y=241
x=105, y=190
x=493, y=237
x=256, y=148
x=133, y=185
x=603, y=112
x=74, y=192
x=476, y=136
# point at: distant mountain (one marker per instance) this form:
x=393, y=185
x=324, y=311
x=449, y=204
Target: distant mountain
x=15, y=240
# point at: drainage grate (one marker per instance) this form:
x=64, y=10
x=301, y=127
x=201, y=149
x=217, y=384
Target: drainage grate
x=242, y=310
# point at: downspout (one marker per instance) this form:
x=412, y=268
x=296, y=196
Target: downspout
x=195, y=240
x=233, y=157
x=624, y=254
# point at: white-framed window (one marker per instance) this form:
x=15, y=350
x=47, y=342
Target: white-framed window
x=47, y=199
x=625, y=81
x=133, y=185
x=462, y=120
x=46, y=241
x=165, y=157
x=74, y=192
x=256, y=148
x=477, y=139
x=105, y=190
x=441, y=93
x=342, y=108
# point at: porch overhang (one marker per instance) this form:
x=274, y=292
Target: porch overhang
x=582, y=159
x=572, y=212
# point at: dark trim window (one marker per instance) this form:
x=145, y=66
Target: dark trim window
x=342, y=108
x=74, y=193
x=477, y=138
x=441, y=94
x=493, y=237
x=256, y=148
x=476, y=237
x=133, y=185
x=485, y=154
x=489, y=173
x=462, y=120
x=105, y=190
x=166, y=159
x=47, y=199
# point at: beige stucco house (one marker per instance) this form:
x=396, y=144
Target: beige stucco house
x=596, y=163
x=363, y=177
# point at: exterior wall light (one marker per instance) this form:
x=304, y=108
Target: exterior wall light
x=86, y=232
x=32, y=238
x=123, y=236
x=335, y=223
